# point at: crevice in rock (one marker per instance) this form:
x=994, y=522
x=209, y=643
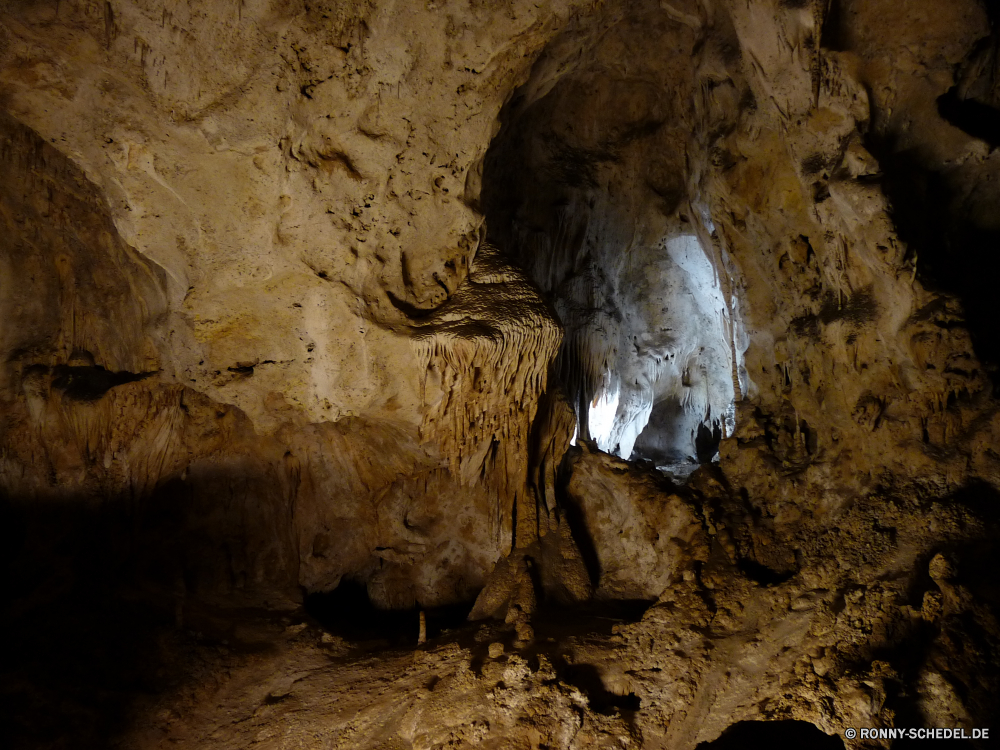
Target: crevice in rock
x=762, y=574
x=84, y=383
x=678, y=194
x=587, y=678
x=774, y=735
x=908, y=743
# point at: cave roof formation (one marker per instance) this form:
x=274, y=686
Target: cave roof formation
x=446, y=374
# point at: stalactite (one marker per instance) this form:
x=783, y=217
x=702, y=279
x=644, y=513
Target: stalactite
x=490, y=345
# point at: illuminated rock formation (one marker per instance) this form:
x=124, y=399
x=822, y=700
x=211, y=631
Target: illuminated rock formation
x=654, y=338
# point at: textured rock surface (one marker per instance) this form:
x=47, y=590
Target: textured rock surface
x=303, y=306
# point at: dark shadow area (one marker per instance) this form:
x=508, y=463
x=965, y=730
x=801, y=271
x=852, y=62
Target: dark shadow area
x=91, y=383
x=981, y=498
x=582, y=159
x=587, y=678
x=835, y=32
x=79, y=650
x=962, y=633
x=79, y=665
x=954, y=254
x=944, y=744
x=574, y=517
x=663, y=433
x=774, y=735
x=594, y=617
x=762, y=574
x=979, y=559
x=674, y=443
x=348, y=612
x=707, y=441
x=973, y=557
x=111, y=602
x=554, y=626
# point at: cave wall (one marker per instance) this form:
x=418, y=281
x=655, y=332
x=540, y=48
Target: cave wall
x=294, y=294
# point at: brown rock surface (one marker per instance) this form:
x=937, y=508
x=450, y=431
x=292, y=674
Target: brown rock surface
x=658, y=336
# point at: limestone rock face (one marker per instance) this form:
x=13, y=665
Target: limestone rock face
x=656, y=337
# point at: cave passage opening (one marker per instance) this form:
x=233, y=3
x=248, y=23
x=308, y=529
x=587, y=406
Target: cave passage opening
x=591, y=186
x=671, y=398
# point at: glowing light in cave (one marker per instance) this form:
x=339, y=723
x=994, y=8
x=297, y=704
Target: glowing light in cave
x=601, y=416
x=680, y=364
